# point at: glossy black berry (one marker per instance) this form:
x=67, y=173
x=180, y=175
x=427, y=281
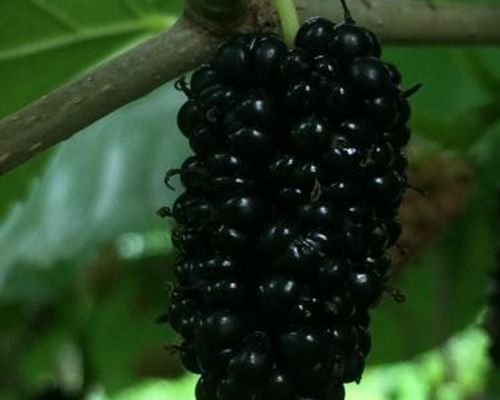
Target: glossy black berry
x=204, y=78
x=292, y=196
x=381, y=157
x=307, y=174
x=218, y=267
x=213, y=361
x=299, y=258
x=394, y=74
x=281, y=169
x=326, y=239
x=342, y=338
x=302, y=97
x=182, y=207
x=366, y=288
x=363, y=340
x=257, y=109
x=189, y=240
x=370, y=76
x=268, y=56
x=383, y=110
x=251, y=144
x=354, y=368
x=296, y=64
x=189, y=118
x=342, y=191
x=189, y=359
x=398, y=135
x=225, y=164
x=243, y=211
x=276, y=294
x=358, y=130
x=278, y=387
x=337, y=392
x=315, y=36
x=275, y=236
x=394, y=230
x=225, y=293
x=223, y=329
x=206, y=388
x=333, y=274
x=203, y=140
x=351, y=41
x=384, y=187
x=326, y=72
x=252, y=364
x=344, y=160
x=233, y=63
x=230, y=240
x=229, y=389
x=319, y=214
x=310, y=136
x=214, y=100
x=303, y=346
x=341, y=307
x=343, y=102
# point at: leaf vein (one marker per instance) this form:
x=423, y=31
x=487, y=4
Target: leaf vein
x=144, y=26
x=57, y=15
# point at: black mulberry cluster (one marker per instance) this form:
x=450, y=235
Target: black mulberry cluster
x=290, y=204
x=493, y=315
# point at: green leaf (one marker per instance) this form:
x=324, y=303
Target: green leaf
x=106, y=181
x=15, y=183
x=445, y=288
x=125, y=342
x=50, y=41
x=64, y=38
x=39, y=316
x=484, y=154
x=179, y=389
x=433, y=375
x=451, y=109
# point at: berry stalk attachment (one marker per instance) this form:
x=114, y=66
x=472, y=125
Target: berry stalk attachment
x=288, y=18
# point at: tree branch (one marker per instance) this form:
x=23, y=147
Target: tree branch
x=417, y=21
x=57, y=116
x=191, y=41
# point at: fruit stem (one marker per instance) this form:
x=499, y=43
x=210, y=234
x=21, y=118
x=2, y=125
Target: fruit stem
x=289, y=20
x=347, y=13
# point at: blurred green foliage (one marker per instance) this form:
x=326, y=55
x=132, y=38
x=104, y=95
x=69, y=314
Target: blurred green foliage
x=84, y=266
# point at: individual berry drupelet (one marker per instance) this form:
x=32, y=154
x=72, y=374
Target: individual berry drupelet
x=493, y=314
x=289, y=206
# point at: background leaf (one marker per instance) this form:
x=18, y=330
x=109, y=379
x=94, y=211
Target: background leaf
x=124, y=342
x=106, y=181
x=445, y=289
x=451, y=106
x=16, y=183
x=66, y=37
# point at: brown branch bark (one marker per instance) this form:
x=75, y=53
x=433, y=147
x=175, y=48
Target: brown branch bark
x=418, y=21
x=191, y=41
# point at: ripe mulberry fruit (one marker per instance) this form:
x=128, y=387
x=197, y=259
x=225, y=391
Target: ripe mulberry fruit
x=290, y=205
